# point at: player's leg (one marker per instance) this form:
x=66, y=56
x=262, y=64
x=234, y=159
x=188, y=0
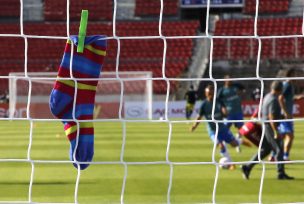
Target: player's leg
x=238, y=125
x=235, y=141
x=226, y=136
x=187, y=111
x=235, y=116
x=238, y=116
x=277, y=147
x=228, y=119
x=224, y=151
x=264, y=151
x=288, y=141
x=287, y=129
x=272, y=157
x=191, y=109
x=218, y=141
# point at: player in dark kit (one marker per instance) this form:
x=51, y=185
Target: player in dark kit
x=191, y=97
x=272, y=140
x=286, y=100
x=252, y=131
x=224, y=134
x=230, y=96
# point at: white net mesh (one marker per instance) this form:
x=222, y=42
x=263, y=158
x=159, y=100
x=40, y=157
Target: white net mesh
x=28, y=82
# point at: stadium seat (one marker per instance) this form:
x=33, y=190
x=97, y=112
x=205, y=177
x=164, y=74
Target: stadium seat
x=152, y=8
x=135, y=55
x=238, y=49
x=266, y=6
x=55, y=10
x=10, y=8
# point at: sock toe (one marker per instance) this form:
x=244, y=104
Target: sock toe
x=84, y=153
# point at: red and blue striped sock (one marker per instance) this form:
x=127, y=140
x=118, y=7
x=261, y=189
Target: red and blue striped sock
x=84, y=65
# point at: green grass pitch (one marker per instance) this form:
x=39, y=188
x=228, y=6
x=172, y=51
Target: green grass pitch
x=145, y=183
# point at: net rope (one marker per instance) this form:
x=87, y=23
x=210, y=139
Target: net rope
x=165, y=120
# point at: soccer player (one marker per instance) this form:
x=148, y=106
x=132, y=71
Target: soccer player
x=272, y=141
x=230, y=96
x=191, y=97
x=252, y=130
x=286, y=100
x=224, y=134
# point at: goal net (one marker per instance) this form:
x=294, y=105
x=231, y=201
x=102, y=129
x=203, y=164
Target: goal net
x=145, y=159
x=112, y=94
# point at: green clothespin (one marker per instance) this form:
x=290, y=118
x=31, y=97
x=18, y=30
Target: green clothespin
x=82, y=30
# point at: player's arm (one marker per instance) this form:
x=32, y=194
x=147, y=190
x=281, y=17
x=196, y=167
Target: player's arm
x=194, y=126
x=283, y=106
x=271, y=116
x=199, y=117
x=286, y=90
x=298, y=97
x=219, y=96
x=219, y=99
x=224, y=111
x=274, y=126
x=223, y=108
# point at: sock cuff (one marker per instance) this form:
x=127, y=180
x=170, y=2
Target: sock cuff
x=87, y=64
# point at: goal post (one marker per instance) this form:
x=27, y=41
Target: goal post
x=134, y=86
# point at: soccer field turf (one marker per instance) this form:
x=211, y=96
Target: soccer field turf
x=102, y=183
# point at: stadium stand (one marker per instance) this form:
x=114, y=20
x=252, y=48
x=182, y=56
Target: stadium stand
x=238, y=49
x=135, y=55
x=147, y=54
x=55, y=10
x=152, y=8
x=10, y=8
x=267, y=6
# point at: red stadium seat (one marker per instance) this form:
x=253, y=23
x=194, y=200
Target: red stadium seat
x=266, y=6
x=10, y=8
x=55, y=10
x=135, y=55
x=271, y=48
x=152, y=8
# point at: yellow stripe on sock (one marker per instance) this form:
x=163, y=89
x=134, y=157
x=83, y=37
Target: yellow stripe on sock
x=71, y=130
x=96, y=51
x=86, y=124
x=81, y=86
x=92, y=49
x=68, y=82
x=86, y=87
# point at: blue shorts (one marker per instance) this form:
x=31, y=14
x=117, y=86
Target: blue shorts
x=286, y=127
x=235, y=116
x=224, y=135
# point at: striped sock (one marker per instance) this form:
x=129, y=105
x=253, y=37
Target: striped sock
x=85, y=65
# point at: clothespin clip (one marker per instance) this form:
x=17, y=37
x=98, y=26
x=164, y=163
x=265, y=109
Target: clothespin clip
x=82, y=30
